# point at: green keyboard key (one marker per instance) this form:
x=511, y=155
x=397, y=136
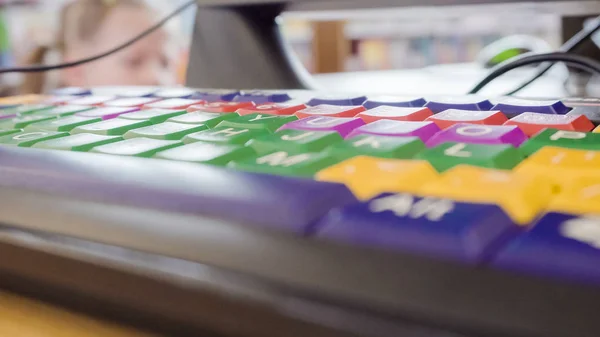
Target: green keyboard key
x=155, y=116
x=22, y=121
x=78, y=142
x=561, y=138
x=210, y=119
x=166, y=131
x=140, y=147
x=111, y=127
x=26, y=139
x=238, y=136
x=65, y=110
x=29, y=109
x=209, y=153
x=258, y=122
x=377, y=146
x=286, y=163
x=62, y=124
x=9, y=132
x=448, y=155
x=295, y=141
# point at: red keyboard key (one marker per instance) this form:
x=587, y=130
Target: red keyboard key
x=92, y=100
x=327, y=110
x=395, y=113
x=220, y=106
x=174, y=103
x=534, y=122
x=132, y=102
x=272, y=109
x=447, y=118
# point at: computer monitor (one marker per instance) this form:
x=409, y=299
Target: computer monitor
x=238, y=43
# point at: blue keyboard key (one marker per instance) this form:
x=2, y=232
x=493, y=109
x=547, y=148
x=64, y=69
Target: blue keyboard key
x=397, y=101
x=559, y=245
x=175, y=93
x=515, y=106
x=256, y=200
x=337, y=100
x=436, y=227
x=216, y=95
x=260, y=97
x=72, y=91
x=476, y=103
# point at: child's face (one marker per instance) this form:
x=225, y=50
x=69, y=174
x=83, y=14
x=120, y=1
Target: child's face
x=150, y=61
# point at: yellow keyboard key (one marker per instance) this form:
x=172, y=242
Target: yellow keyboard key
x=597, y=129
x=561, y=165
x=22, y=99
x=522, y=197
x=367, y=176
x=582, y=196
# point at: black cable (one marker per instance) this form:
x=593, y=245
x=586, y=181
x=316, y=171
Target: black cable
x=42, y=68
x=568, y=46
x=576, y=61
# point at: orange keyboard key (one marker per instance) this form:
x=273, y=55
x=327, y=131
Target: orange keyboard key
x=395, y=113
x=534, y=122
x=326, y=110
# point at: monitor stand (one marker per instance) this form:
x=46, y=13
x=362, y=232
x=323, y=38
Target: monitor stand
x=241, y=47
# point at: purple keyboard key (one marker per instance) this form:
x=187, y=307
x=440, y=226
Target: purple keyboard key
x=106, y=113
x=343, y=126
x=283, y=203
x=461, y=103
x=436, y=227
x=479, y=134
x=559, y=245
x=216, y=95
x=397, y=101
x=337, y=100
x=260, y=97
x=385, y=127
x=514, y=106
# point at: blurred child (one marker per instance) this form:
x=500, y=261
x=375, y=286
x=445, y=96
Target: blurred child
x=90, y=27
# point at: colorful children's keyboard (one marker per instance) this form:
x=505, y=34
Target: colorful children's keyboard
x=507, y=184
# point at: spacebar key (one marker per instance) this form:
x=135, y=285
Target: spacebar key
x=268, y=201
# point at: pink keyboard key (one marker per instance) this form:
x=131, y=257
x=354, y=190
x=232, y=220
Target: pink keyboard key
x=479, y=134
x=447, y=118
x=327, y=110
x=423, y=130
x=395, y=113
x=341, y=125
x=106, y=113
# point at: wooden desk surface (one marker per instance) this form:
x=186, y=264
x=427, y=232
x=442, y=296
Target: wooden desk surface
x=21, y=317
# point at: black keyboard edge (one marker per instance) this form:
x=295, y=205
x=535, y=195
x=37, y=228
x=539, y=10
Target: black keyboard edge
x=469, y=300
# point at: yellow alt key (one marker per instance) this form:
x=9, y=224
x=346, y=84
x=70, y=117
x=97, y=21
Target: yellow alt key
x=561, y=165
x=521, y=196
x=368, y=176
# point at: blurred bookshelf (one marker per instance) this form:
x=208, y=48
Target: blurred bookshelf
x=409, y=38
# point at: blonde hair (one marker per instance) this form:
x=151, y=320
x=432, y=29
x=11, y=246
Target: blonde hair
x=79, y=21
